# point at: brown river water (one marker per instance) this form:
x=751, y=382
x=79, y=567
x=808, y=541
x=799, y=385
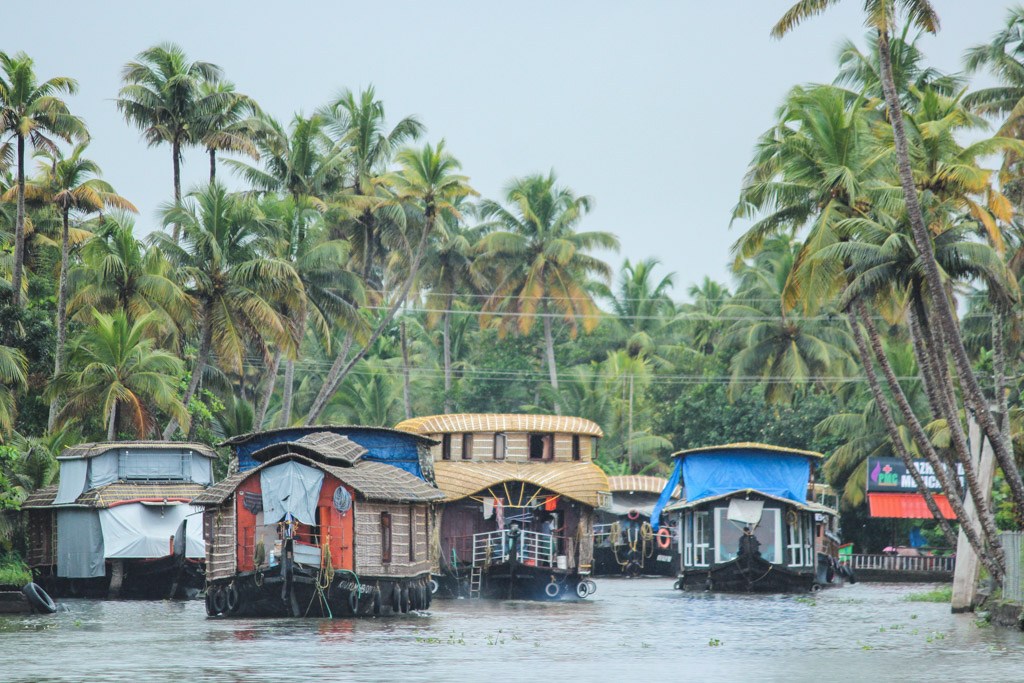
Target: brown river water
x=631, y=630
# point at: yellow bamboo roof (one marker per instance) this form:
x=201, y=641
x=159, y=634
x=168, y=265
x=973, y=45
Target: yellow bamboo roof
x=637, y=484
x=581, y=481
x=751, y=446
x=497, y=422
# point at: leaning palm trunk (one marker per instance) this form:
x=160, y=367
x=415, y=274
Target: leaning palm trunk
x=999, y=370
x=19, y=228
x=268, y=392
x=62, y=314
x=549, y=347
x=994, y=558
x=289, y=393
x=894, y=434
x=406, y=393
x=446, y=334
x=202, y=358
x=974, y=397
x=958, y=438
x=338, y=373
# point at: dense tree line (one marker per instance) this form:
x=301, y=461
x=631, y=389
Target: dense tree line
x=359, y=278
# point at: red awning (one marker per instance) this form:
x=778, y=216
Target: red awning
x=906, y=506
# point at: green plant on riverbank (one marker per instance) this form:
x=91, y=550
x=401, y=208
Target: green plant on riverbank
x=13, y=571
x=943, y=594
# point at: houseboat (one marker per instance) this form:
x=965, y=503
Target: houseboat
x=520, y=494
x=747, y=521
x=625, y=543
x=119, y=524
x=316, y=528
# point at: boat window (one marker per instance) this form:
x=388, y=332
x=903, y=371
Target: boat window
x=795, y=539
x=542, y=446
x=385, y=537
x=768, y=533
x=467, y=446
x=499, y=446
x=701, y=538
x=446, y=446
x=412, y=533
x=575, y=446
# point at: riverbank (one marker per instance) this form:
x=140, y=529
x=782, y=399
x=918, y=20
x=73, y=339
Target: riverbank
x=630, y=630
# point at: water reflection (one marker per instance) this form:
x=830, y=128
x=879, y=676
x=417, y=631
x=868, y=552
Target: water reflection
x=630, y=630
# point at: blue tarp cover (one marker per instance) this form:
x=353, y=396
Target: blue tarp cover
x=290, y=487
x=705, y=475
x=713, y=474
x=399, y=450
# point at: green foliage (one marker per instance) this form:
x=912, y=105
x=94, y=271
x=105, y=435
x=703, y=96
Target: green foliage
x=13, y=570
x=941, y=594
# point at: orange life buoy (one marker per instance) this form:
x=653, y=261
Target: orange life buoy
x=664, y=538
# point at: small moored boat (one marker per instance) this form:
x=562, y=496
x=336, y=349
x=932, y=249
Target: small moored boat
x=747, y=521
x=625, y=543
x=317, y=529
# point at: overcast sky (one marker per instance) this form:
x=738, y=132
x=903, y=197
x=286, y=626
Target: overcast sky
x=652, y=108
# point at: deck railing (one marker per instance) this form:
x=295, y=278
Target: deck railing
x=903, y=563
x=533, y=548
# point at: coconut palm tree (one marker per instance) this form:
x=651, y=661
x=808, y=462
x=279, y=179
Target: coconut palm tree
x=542, y=263
x=450, y=269
x=788, y=351
x=13, y=376
x=114, y=365
x=882, y=17
x=356, y=123
x=429, y=184
x=163, y=96
x=239, y=290
x=32, y=112
x=231, y=123
x=119, y=273
x=644, y=314
x=70, y=184
x=702, y=323
x=1003, y=58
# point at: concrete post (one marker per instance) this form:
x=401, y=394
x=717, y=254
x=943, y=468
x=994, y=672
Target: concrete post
x=965, y=575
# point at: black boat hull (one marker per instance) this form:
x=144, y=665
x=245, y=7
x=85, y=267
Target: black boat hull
x=753, y=575
x=306, y=593
x=660, y=563
x=142, y=580
x=505, y=581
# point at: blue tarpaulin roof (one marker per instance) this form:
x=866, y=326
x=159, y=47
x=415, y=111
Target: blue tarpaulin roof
x=399, y=449
x=720, y=471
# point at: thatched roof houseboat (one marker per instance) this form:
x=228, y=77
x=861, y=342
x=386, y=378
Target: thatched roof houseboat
x=112, y=524
x=317, y=528
x=747, y=520
x=519, y=499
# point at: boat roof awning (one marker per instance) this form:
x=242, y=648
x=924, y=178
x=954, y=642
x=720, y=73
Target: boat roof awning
x=635, y=483
x=499, y=422
x=807, y=505
x=583, y=482
x=906, y=506
x=119, y=493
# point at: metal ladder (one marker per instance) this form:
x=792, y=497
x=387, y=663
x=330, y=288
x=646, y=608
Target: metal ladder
x=475, y=578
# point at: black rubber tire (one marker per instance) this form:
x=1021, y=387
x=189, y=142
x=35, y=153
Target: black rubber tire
x=232, y=600
x=434, y=585
x=377, y=602
x=396, y=599
x=581, y=590
x=548, y=589
x=429, y=596
x=210, y=610
x=405, y=600
x=353, y=602
x=38, y=598
x=591, y=586
x=220, y=601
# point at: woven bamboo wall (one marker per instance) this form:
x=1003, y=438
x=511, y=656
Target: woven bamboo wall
x=220, y=532
x=517, y=448
x=41, y=538
x=368, y=539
